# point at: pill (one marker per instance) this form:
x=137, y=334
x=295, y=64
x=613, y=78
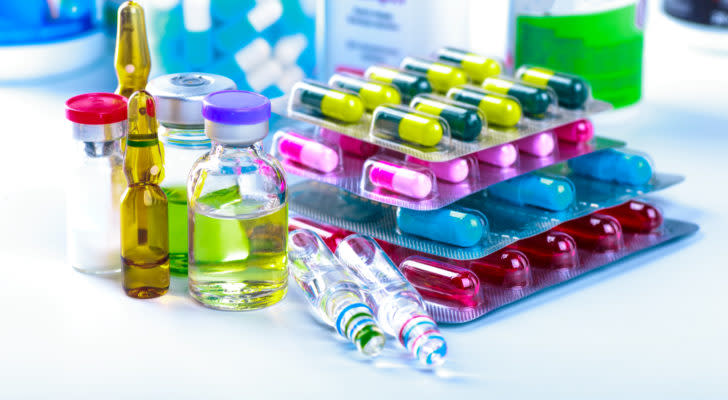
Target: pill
x=594, y=232
x=636, y=216
x=331, y=102
x=399, y=179
x=549, y=250
x=539, y=145
x=307, y=152
x=455, y=225
x=372, y=94
x=503, y=155
x=413, y=127
x=571, y=90
x=498, y=110
x=441, y=76
x=550, y=193
x=439, y=280
x=465, y=122
x=534, y=100
x=453, y=171
x=613, y=166
x=507, y=267
x=477, y=67
x=331, y=235
x=576, y=132
x=408, y=84
x=349, y=144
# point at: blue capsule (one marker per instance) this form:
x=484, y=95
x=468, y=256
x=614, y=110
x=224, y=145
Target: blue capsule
x=548, y=192
x=453, y=225
x=613, y=166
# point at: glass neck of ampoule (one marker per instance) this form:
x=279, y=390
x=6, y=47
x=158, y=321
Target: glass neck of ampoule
x=414, y=329
x=354, y=320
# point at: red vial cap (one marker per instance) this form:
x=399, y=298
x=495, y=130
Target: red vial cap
x=549, y=250
x=96, y=108
x=595, y=232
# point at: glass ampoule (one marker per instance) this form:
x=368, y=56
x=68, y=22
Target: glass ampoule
x=399, y=309
x=332, y=293
x=238, y=209
x=178, y=98
x=96, y=182
x=144, y=236
x=131, y=59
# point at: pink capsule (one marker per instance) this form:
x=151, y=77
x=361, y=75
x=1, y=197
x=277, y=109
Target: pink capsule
x=349, y=144
x=307, y=152
x=576, y=132
x=539, y=145
x=454, y=171
x=399, y=179
x=503, y=155
x=438, y=280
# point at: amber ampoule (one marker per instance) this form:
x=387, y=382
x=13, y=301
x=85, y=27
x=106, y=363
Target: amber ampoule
x=144, y=229
x=131, y=60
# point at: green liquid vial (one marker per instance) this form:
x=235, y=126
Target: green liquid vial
x=181, y=132
x=238, y=209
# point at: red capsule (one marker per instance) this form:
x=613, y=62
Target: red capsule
x=636, y=216
x=437, y=280
x=509, y=268
x=594, y=232
x=331, y=235
x=551, y=250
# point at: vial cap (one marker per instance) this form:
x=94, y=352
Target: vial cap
x=179, y=96
x=236, y=107
x=96, y=108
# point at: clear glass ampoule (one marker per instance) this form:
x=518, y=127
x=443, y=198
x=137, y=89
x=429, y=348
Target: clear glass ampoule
x=238, y=209
x=96, y=182
x=178, y=98
x=144, y=236
x=398, y=307
x=131, y=59
x=332, y=292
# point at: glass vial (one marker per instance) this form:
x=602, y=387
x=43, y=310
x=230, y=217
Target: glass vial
x=238, y=209
x=179, y=112
x=96, y=182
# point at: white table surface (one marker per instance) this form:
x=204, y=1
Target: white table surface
x=653, y=326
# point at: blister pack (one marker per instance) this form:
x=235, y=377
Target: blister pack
x=401, y=180
x=490, y=220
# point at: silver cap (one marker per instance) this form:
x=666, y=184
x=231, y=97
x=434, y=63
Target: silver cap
x=179, y=96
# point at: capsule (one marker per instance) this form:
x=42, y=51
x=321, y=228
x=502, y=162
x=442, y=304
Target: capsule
x=399, y=179
x=502, y=156
x=507, y=268
x=413, y=127
x=539, y=145
x=131, y=59
x=331, y=235
x=549, y=250
x=571, y=90
x=498, y=110
x=594, y=232
x=613, y=166
x=455, y=225
x=636, y=216
x=576, y=132
x=465, y=122
x=306, y=152
x=550, y=193
x=535, y=101
x=408, y=84
x=453, y=171
x=441, y=76
x=331, y=102
x=349, y=144
x=438, y=280
x=477, y=67
x=372, y=94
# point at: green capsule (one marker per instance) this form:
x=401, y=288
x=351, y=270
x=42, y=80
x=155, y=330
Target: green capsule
x=465, y=121
x=373, y=94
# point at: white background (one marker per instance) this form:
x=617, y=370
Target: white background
x=654, y=326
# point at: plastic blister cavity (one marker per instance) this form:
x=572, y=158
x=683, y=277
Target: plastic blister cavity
x=453, y=171
x=580, y=131
x=411, y=127
x=332, y=292
x=572, y=91
x=349, y=145
x=372, y=93
x=440, y=75
x=455, y=225
x=476, y=66
x=317, y=99
x=504, y=155
x=551, y=250
x=535, y=100
x=389, y=175
x=465, y=121
x=291, y=147
x=498, y=108
x=615, y=166
x=595, y=232
x=539, y=145
x=441, y=281
x=506, y=268
x=553, y=193
x=397, y=305
x=636, y=216
x=408, y=83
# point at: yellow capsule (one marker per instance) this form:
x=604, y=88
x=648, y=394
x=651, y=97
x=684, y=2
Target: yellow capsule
x=476, y=66
x=498, y=110
x=331, y=102
x=441, y=76
x=408, y=126
x=373, y=94
x=132, y=60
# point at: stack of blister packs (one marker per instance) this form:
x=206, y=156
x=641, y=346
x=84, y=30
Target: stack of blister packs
x=483, y=188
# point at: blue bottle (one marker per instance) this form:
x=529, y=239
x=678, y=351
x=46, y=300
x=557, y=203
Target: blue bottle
x=552, y=193
x=455, y=225
x=613, y=166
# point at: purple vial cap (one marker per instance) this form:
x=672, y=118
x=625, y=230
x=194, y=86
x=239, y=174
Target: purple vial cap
x=236, y=107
